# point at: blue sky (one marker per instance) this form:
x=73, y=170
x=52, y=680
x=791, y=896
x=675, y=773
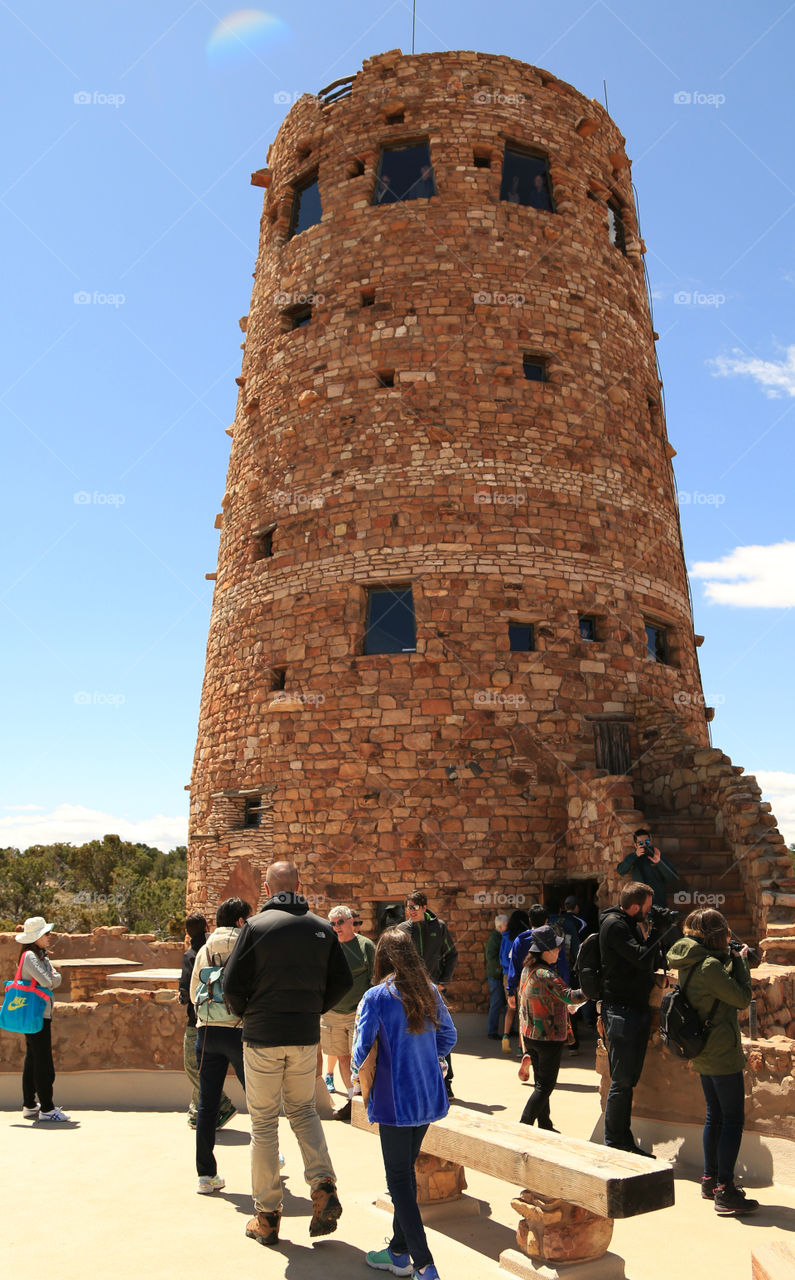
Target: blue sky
x=130, y=230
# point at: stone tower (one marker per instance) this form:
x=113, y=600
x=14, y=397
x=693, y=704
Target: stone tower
x=451, y=643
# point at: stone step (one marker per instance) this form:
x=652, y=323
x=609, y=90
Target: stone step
x=704, y=862
x=782, y=929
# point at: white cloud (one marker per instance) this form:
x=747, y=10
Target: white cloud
x=74, y=823
x=22, y=808
x=751, y=577
x=775, y=377
x=779, y=788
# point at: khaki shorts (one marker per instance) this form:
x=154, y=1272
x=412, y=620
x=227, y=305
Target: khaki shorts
x=336, y=1033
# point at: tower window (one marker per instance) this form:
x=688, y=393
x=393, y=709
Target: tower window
x=525, y=179
x=263, y=542
x=481, y=158
x=657, y=645
x=587, y=626
x=386, y=377
x=278, y=678
x=368, y=296
x=404, y=173
x=534, y=368
x=390, y=626
x=296, y=317
x=252, y=815
x=615, y=226
x=395, y=117
x=306, y=210
x=521, y=637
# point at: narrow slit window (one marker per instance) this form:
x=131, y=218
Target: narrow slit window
x=534, y=368
x=306, y=210
x=525, y=180
x=390, y=624
x=404, y=173
x=368, y=297
x=263, y=543
x=278, y=678
x=521, y=637
x=615, y=226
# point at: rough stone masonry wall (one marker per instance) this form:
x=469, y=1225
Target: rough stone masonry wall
x=497, y=498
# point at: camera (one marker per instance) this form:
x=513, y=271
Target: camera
x=648, y=847
x=735, y=947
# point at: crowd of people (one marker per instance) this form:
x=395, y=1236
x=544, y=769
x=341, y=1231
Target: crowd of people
x=268, y=993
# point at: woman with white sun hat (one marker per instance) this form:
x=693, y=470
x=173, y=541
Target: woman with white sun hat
x=38, y=1073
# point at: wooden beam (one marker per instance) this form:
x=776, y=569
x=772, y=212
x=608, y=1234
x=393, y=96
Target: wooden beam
x=613, y=1184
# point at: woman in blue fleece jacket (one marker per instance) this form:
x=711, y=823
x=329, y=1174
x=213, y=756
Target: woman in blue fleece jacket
x=414, y=1029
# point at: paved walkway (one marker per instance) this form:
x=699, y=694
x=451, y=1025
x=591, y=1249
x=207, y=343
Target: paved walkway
x=116, y=1198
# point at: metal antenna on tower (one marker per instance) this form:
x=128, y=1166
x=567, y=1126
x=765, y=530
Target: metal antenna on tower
x=413, y=21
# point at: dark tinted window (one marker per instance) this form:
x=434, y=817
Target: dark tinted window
x=404, y=173
x=587, y=628
x=534, y=368
x=656, y=642
x=390, y=621
x=521, y=637
x=306, y=209
x=525, y=180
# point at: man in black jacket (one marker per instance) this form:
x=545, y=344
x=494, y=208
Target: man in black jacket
x=286, y=969
x=431, y=937
x=628, y=961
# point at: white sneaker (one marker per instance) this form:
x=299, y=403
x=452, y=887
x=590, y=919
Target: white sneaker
x=207, y=1185
x=282, y=1161
x=55, y=1114
x=31, y=1113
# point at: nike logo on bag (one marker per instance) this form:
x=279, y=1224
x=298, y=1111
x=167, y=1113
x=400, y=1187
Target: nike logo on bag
x=18, y=1002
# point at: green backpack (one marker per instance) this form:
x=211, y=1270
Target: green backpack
x=210, y=1002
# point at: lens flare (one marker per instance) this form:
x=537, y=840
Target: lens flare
x=244, y=34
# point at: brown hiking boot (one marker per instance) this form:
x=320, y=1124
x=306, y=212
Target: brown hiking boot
x=264, y=1228
x=326, y=1209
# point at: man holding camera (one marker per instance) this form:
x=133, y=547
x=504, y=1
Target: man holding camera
x=646, y=864
x=629, y=957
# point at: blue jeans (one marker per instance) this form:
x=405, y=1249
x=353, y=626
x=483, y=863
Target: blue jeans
x=216, y=1049
x=723, y=1127
x=400, y=1146
x=496, y=1005
x=627, y=1031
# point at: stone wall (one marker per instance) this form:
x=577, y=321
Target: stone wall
x=118, y=1030
x=109, y=940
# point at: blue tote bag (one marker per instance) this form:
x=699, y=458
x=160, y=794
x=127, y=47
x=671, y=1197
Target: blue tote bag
x=23, y=1005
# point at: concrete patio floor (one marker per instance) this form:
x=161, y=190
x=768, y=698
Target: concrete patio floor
x=115, y=1196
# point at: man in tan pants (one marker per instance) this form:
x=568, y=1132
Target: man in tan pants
x=286, y=969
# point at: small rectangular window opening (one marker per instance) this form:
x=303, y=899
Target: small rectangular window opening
x=481, y=158
x=386, y=377
x=534, y=368
x=306, y=210
x=355, y=167
x=278, y=678
x=525, y=179
x=368, y=297
x=263, y=543
x=252, y=816
x=521, y=637
x=657, y=642
x=404, y=173
x=615, y=226
x=299, y=316
x=390, y=625
x=587, y=625
x=395, y=117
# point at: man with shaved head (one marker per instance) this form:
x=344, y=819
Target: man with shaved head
x=286, y=969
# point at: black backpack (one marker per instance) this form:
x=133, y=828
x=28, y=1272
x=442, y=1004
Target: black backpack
x=681, y=1029
x=589, y=967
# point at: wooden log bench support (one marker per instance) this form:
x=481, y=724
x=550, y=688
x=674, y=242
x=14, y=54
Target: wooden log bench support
x=572, y=1190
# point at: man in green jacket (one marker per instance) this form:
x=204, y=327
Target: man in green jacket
x=646, y=864
x=710, y=970
x=336, y=1025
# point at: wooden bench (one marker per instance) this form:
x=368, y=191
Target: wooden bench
x=572, y=1190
